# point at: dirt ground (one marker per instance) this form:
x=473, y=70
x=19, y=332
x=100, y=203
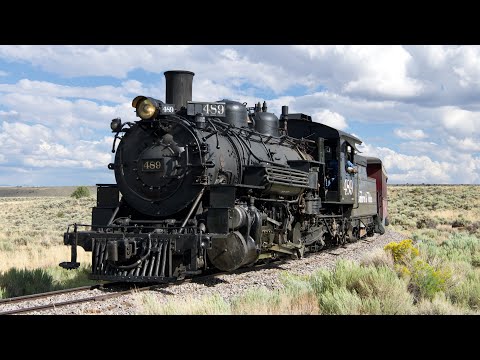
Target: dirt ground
x=23, y=191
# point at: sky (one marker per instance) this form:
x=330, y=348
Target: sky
x=415, y=107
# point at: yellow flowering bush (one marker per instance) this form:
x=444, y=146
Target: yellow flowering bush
x=424, y=279
x=402, y=251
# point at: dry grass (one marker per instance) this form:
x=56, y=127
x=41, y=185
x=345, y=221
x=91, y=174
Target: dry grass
x=211, y=305
x=377, y=258
x=425, y=278
x=261, y=301
x=440, y=305
x=31, y=230
x=31, y=244
x=254, y=301
x=434, y=212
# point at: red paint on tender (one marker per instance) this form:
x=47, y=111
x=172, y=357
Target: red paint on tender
x=376, y=172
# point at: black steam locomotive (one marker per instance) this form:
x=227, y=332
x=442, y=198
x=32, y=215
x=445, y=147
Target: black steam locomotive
x=222, y=185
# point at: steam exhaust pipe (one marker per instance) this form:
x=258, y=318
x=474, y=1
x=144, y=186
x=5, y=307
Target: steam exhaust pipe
x=178, y=87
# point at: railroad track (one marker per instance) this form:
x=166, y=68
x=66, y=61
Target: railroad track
x=53, y=305
x=113, y=294
x=53, y=294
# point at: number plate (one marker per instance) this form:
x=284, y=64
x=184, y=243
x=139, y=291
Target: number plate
x=152, y=165
x=167, y=109
x=348, y=186
x=206, y=109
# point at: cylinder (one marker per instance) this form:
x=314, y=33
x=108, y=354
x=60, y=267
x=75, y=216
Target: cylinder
x=231, y=251
x=178, y=87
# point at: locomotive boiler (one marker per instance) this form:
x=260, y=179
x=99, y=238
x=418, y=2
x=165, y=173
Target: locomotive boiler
x=218, y=184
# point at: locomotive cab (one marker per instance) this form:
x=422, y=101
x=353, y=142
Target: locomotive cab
x=339, y=182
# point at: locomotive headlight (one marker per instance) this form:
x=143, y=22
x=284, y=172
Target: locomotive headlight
x=116, y=124
x=146, y=108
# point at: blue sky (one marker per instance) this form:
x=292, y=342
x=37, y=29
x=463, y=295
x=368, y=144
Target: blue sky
x=415, y=107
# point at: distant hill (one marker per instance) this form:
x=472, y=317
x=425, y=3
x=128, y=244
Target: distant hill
x=34, y=191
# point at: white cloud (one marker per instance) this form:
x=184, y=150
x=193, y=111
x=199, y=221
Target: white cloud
x=467, y=66
x=100, y=60
x=38, y=146
x=460, y=121
x=330, y=118
x=425, y=95
x=468, y=144
x=422, y=148
x=3, y=73
x=410, y=134
x=410, y=73
x=43, y=88
x=403, y=168
x=12, y=114
x=220, y=64
x=368, y=70
x=17, y=138
x=57, y=112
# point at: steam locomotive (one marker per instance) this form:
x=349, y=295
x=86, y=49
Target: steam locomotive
x=221, y=185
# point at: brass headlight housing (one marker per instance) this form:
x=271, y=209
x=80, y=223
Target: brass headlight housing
x=146, y=107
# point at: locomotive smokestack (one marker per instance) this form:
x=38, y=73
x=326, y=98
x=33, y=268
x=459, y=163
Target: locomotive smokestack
x=178, y=87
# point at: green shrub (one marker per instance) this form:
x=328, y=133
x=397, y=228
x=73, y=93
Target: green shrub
x=80, y=192
x=426, y=281
x=427, y=234
x=65, y=279
x=476, y=260
x=458, y=247
x=6, y=246
x=295, y=285
x=355, y=289
x=473, y=227
x=257, y=301
x=439, y=305
x=340, y=302
x=467, y=292
x=426, y=223
x=17, y=282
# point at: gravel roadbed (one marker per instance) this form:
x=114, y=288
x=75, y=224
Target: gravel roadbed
x=226, y=285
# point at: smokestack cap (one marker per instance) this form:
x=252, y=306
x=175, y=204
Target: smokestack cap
x=179, y=72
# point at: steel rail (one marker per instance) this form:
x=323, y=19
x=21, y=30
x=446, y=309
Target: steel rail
x=266, y=265
x=48, y=294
